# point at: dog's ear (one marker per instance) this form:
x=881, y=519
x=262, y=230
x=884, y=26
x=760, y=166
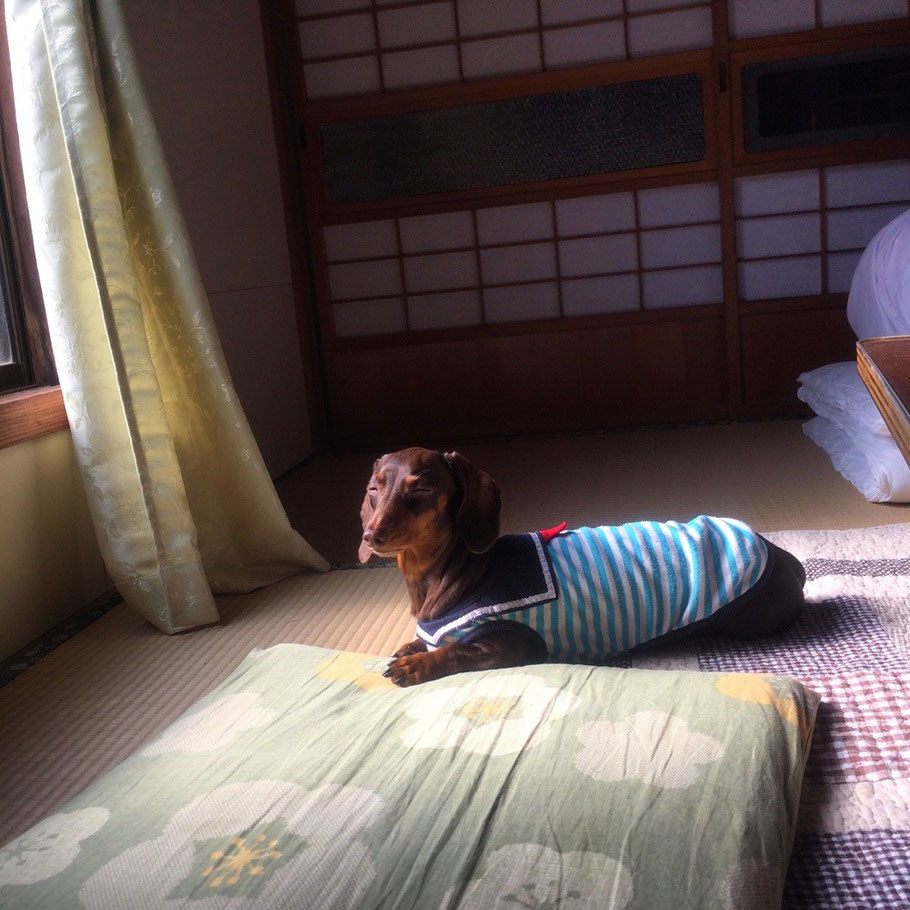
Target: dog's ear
x=364, y=552
x=366, y=513
x=477, y=521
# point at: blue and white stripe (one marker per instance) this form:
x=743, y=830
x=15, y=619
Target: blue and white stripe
x=621, y=586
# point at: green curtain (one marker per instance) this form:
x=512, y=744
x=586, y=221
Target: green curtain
x=181, y=499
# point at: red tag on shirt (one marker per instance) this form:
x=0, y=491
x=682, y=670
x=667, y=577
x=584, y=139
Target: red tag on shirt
x=550, y=533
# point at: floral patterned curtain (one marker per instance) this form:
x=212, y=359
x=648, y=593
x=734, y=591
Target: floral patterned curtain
x=181, y=499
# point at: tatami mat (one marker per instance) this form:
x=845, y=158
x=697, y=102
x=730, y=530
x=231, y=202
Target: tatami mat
x=767, y=473
x=87, y=705
x=93, y=700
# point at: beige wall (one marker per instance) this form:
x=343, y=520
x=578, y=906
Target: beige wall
x=204, y=70
x=50, y=566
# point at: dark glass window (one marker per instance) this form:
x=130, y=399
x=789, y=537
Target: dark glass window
x=836, y=98
x=527, y=139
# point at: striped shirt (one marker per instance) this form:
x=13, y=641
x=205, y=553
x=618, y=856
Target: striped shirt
x=605, y=590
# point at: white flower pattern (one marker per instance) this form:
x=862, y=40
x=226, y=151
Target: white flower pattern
x=534, y=876
x=267, y=843
x=493, y=715
x=753, y=884
x=651, y=746
x=213, y=727
x=49, y=847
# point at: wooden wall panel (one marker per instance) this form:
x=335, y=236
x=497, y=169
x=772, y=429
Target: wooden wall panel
x=760, y=300
x=496, y=387
x=778, y=346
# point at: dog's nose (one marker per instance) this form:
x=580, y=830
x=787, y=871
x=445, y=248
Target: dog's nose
x=375, y=537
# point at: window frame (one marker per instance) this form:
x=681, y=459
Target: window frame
x=35, y=407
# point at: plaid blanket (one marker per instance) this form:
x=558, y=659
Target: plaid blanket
x=851, y=646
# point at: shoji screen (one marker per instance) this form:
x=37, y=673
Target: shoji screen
x=588, y=255
x=542, y=216
x=354, y=47
x=801, y=232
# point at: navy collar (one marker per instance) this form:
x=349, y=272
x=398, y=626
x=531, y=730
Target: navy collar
x=518, y=575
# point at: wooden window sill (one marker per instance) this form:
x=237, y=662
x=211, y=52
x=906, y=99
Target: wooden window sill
x=31, y=413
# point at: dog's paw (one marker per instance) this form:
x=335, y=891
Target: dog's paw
x=411, y=669
x=412, y=647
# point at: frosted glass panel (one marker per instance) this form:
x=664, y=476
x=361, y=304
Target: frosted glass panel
x=769, y=194
x=499, y=56
x=416, y=25
x=585, y=44
x=643, y=6
x=594, y=255
x=680, y=246
x=437, y=232
x=558, y=12
x=335, y=78
x=523, y=301
x=667, y=32
x=588, y=296
x=315, y=7
x=862, y=184
x=507, y=224
x=518, y=263
x=854, y=228
x=481, y=17
x=440, y=271
x=848, y=12
x=778, y=236
x=774, y=278
x=426, y=66
x=515, y=140
x=366, y=240
x=336, y=36
x=769, y=17
x=841, y=267
x=678, y=205
x=369, y=317
x=365, y=279
x=595, y=214
x=441, y=311
x=683, y=287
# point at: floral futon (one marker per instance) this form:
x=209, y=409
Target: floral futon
x=307, y=780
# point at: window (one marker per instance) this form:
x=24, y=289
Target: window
x=15, y=367
x=806, y=101
x=30, y=401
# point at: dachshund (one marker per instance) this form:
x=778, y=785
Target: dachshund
x=482, y=601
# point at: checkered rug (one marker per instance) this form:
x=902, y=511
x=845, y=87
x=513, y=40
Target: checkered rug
x=852, y=646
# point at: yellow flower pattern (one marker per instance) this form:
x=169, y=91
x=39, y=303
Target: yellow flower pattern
x=485, y=710
x=360, y=669
x=763, y=690
x=242, y=858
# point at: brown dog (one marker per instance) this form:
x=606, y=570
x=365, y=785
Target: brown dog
x=439, y=516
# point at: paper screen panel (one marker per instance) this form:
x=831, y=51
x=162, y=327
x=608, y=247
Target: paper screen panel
x=802, y=232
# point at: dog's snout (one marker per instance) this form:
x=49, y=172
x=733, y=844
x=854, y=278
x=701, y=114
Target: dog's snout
x=375, y=537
